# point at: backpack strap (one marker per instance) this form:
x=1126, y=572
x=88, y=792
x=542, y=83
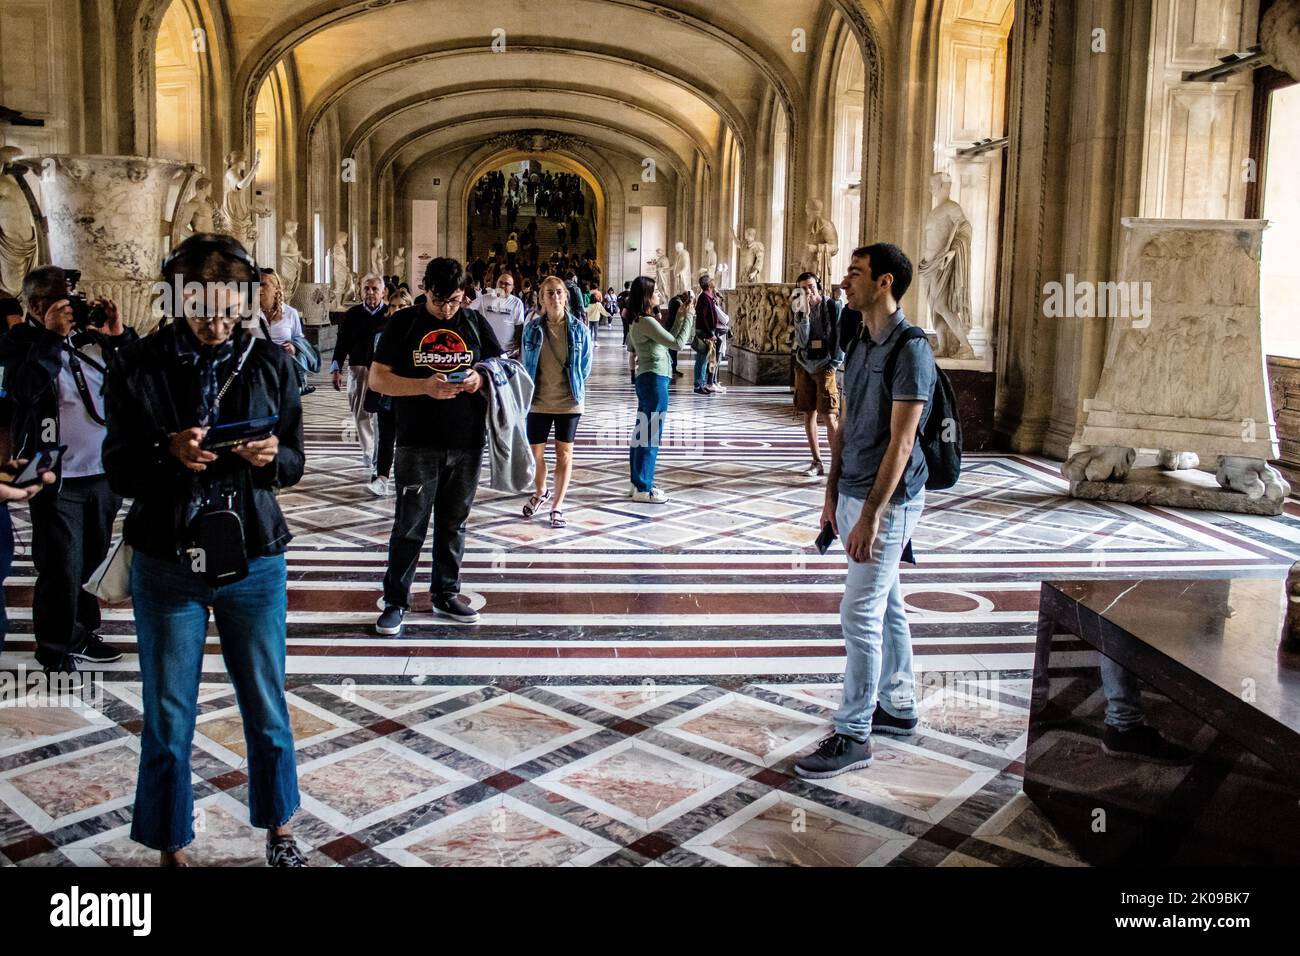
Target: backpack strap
x=915, y=332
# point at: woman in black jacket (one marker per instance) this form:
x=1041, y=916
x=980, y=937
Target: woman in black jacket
x=208, y=533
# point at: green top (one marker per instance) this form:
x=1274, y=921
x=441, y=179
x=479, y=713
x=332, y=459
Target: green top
x=651, y=342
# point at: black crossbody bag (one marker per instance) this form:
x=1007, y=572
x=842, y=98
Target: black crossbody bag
x=217, y=549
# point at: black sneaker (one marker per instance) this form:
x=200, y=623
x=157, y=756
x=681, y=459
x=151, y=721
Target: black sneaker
x=63, y=677
x=96, y=651
x=390, y=622
x=1144, y=743
x=284, y=851
x=456, y=608
x=883, y=722
x=835, y=755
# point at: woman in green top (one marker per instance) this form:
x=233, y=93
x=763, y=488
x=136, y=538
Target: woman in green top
x=651, y=342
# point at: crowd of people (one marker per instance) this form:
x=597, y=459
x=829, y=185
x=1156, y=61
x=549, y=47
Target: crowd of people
x=554, y=195
x=199, y=423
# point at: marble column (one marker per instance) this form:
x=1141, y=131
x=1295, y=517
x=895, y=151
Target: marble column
x=106, y=217
x=762, y=332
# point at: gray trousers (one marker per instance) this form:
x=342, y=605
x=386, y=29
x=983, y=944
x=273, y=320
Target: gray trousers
x=358, y=377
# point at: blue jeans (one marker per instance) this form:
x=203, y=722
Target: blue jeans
x=651, y=406
x=6, y=565
x=171, y=618
x=701, y=366
x=877, y=640
x=1123, y=695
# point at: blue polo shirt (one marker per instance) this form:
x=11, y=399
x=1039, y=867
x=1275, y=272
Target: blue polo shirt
x=869, y=400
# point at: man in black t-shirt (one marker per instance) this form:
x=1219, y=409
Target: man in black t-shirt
x=425, y=359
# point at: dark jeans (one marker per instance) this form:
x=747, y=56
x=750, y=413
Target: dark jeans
x=171, y=619
x=651, y=407
x=386, y=437
x=441, y=481
x=6, y=565
x=72, y=528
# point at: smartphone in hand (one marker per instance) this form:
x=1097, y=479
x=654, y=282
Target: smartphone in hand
x=45, y=460
x=824, y=539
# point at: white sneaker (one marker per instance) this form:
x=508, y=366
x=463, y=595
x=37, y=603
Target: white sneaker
x=815, y=470
x=653, y=496
x=631, y=491
x=377, y=486
x=720, y=389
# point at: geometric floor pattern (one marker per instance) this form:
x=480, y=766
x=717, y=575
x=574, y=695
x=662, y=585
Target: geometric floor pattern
x=640, y=682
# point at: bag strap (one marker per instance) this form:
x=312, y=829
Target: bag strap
x=915, y=332
x=75, y=358
x=230, y=380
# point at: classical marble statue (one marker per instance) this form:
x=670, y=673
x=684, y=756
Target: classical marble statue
x=681, y=269
x=399, y=264
x=752, y=256
x=18, y=239
x=237, y=216
x=1279, y=35
x=823, y=244
x=662, y=273
x=197, y=214
x=342, y=281
x=945, y=270
x=710, y=259
x=291, y=260
x=377, y=258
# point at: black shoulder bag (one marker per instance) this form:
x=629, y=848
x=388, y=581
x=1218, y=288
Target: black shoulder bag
x=217, y=549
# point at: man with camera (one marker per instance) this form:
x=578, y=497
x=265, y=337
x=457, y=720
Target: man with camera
x=817, y=355
x=54, y=363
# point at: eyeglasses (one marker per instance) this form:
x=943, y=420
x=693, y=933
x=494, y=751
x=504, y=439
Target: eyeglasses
x=455, y=302
x=229, y=321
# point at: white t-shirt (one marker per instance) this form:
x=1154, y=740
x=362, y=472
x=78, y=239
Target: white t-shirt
x=82, y=434
x=503, y=313
x=287, y=328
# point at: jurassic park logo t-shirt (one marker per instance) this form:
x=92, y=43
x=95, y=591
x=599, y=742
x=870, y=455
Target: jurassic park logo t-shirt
x=419, y=345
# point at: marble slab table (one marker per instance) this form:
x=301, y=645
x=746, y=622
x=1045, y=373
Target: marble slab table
x=1213, y=678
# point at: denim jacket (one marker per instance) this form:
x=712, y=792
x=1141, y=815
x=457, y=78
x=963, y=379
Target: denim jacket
x=578, y=364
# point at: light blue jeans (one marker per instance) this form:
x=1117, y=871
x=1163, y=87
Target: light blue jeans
x=1123, y=695
x=877, y=640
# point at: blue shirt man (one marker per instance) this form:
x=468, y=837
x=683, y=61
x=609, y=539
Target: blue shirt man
x=874, y=499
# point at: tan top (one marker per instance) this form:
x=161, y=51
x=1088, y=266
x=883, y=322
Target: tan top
x=551, y=394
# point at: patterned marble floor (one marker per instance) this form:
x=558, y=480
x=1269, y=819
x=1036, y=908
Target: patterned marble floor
x=641, y=681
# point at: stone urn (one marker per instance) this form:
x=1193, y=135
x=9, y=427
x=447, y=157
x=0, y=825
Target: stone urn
x=311, y=299
x=105, y=217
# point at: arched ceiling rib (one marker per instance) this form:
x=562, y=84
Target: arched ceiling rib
x=368, y=88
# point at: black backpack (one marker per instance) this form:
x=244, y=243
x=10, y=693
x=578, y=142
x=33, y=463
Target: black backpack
x=940, y=439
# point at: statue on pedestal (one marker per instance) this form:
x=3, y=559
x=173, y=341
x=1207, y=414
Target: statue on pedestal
x=291, y=260
x=377, y=258
x=945, y=270
x=18, y=242
x=237, y=217
x=342, y=282
x=196, y=215
x=710, y=259
x=752, y=256
x=823, y=244
x=662, y=273
x=681, y=269
x=399, y=264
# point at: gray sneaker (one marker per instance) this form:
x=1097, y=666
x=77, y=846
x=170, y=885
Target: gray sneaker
x=390, y=622
x=835, y=755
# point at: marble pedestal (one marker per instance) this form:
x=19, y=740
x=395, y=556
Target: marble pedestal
x=761, y=368
x=1174, y=489
x=762, y=332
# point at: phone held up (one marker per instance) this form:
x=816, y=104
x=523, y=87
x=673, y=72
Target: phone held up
x=44, y=461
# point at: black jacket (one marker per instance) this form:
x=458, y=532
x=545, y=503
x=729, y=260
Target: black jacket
x=31, y=359
x=152, y=393
x=357, y=331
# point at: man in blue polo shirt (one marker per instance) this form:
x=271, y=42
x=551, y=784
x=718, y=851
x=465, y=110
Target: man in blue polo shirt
x=874, y=498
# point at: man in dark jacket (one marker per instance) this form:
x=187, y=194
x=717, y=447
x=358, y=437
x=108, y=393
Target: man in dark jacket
x=54, y=369
x=355, y=348
x=209, y=537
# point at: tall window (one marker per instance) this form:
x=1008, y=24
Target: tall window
x=178, y=79
x=1280, y=289
x=846, y=185
x=776, y=245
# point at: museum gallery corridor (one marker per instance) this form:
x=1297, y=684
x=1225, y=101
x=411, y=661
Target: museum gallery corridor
x=641, y=681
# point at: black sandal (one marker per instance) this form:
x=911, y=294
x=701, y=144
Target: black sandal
x=557, y=520
x=535, y=502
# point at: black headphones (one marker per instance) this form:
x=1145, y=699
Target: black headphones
x=227, y=246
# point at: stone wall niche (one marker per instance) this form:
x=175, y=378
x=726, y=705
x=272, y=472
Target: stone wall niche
x=106, y=216
x=1184, y=373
